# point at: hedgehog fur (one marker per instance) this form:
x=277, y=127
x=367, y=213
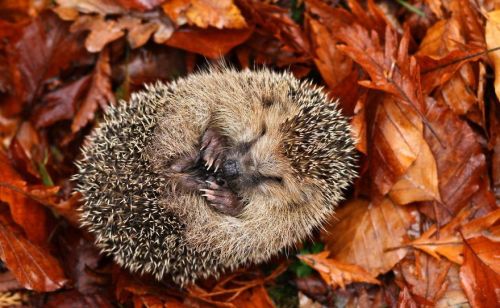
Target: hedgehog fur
x=284, y=156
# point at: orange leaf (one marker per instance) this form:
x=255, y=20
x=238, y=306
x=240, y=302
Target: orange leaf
x=27, y=213
x=361, y=233
x=444, y=42
x=336, y=273
x=480, y=273
x=204, y=13
x=493, y=41
x=34, y=267
x=212, y=43
x=449, y=244
x=420, y=182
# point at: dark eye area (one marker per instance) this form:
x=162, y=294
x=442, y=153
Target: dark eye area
x=276, y=179
x=263, y=130
x=267, y=102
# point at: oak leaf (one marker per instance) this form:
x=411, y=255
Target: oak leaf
x=204, y=13
x=336, y=273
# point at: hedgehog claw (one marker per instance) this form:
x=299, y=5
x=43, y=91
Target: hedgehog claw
x=222, y=199
x=212, y=145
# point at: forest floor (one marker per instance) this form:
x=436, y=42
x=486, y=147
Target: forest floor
x=419, y=79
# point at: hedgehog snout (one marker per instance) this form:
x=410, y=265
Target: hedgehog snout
x=231, y=169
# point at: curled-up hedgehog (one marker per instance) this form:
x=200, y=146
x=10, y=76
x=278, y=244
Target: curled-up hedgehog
x=214, y=171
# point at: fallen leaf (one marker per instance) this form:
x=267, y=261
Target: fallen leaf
x=426, y=277
x=333, y=64
x=336, y=273
x=101, y=31
x=211, y=43
x=92, y=6
x=480, y=273
x=493, y=41
x=447, y=242
x=365, y=234
x=457, y=84
x=27, y=213
x=420, y=182
x=454, y=294
x=137, y=29
x=60, y=104
x=395, y=141
x=41, y=51
x=34, y=267
x=99, y=93
x=459, y=158
x=204, y=13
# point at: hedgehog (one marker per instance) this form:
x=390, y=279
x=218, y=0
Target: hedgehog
x=214, y=171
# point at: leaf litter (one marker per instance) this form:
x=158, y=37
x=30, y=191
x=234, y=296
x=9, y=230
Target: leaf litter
x=421, y=80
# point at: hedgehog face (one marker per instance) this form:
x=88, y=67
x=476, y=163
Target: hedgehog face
x=256, y=163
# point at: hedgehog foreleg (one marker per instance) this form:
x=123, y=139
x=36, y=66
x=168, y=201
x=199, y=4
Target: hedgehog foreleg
x=222, y=199
x=212, y=147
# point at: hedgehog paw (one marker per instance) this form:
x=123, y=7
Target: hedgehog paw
x=222, y=199
x=212, y=146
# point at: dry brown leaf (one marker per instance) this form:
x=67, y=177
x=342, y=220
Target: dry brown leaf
x=99, y=93
x=457, y=87
x=41, y=50
x=365, y=234
x=139, y=30
x=420, y=182
x=454, y=295
x=447, y=242
x=480, y=273
x=493, y=41
x=397, y=140
x=333, y=64
x=336, y=273
x=204, y=13
x=91, y=6
x=34, y=267
x=358, y=124
x=211, y=43
x=459, y=158
x=101, y=31
x=60, y=104
x=425, y=277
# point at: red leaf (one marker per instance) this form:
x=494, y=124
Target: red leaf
x=480, y=273
x=34, y=267
x=60, y=104
x=99, y=94
x=41, y=51
x=211, y=42
x=30, y=215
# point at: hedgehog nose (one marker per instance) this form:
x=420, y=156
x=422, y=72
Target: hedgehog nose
x=231, y=168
